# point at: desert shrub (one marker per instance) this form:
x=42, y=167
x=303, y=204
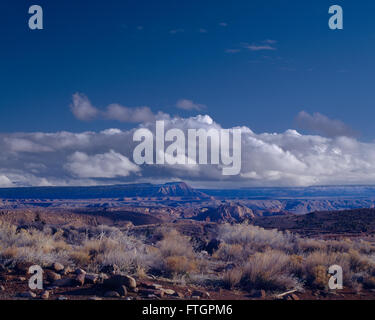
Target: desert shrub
x=232, y=278
x=339, y=246
x=296, y=265
x=110, y=246
x=310, y=245
x=178, y=265
x=80, y=257
x=309, y=259
x=175, y=244
x=319, y=277
x=9, y=253
x=364, y=247
x=30, y=245
x=316, y=264
x=104, y=246
x=176, y=255
x=231, y=252
x=359, y=263
x=255, y=238
x=268, y=270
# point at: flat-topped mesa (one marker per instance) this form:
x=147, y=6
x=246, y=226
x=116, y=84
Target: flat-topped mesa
x=142, y=190
x=177, y=189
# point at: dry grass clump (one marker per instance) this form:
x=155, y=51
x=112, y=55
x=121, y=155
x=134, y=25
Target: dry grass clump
x=105, y=246
x=231, y=252
x=232, y=278
x=179, y=265
x=273, y=260
x=359, y=262
x=269, y=270
x=256, y=239
x=316, y=264
x=30, y=245
x=310, y=245
x=113, y=247
x=175, y=244
x=364, y=247
x=177, y=256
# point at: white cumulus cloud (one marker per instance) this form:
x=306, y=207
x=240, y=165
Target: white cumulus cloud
x=133, y=115
x=83, y=109
x=189, y=105
x=287, y=158
x=107, y=165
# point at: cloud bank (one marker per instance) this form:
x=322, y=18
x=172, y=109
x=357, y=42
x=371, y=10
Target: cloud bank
x=268, y=159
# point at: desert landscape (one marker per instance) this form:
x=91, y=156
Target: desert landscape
x=165, y=155
x=170, y=241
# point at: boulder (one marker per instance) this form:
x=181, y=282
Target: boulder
x=169, y=292
x=67, y=270
x=79, y=271
x=58, y=267
x=149, y=285
x=52, y=276
x=123, y=291
x=120, y=280
x=92, y=278
x=101, y=278
x=130, y=282
x=45, y=295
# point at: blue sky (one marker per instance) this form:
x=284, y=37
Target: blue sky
x=72, y=94
x=153, y=53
